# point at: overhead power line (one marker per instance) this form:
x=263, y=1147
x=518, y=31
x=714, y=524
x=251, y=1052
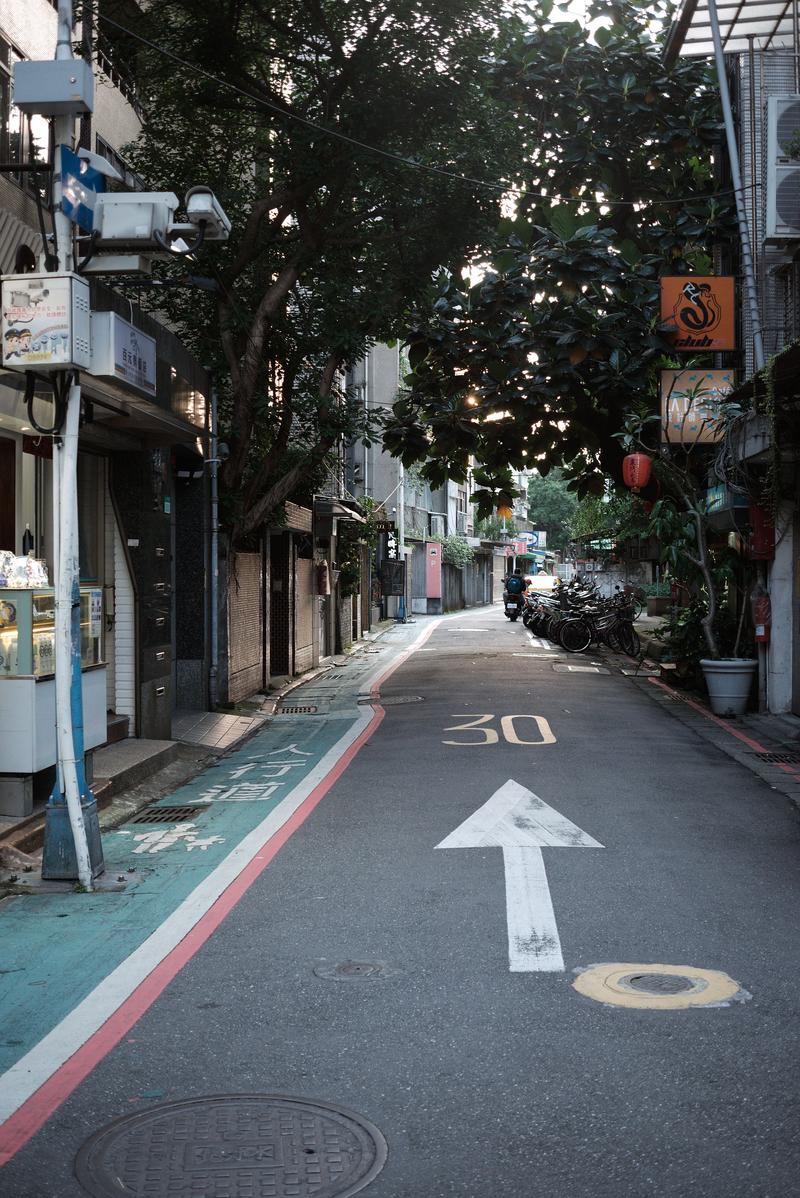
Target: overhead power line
x=390, y=155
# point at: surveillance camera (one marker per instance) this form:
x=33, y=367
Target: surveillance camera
x=203, y=208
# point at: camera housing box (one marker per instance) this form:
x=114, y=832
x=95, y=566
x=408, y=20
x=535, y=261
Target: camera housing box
x=203, y=206
x=45, y=322
x=132, y=218
x=58, y=87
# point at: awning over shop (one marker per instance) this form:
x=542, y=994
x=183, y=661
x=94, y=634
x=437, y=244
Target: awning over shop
x=343, y=509
x=770, y=24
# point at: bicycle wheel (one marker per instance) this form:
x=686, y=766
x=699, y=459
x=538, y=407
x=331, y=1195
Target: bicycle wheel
x=611, y=638
x=629, y=639
x=574, y=635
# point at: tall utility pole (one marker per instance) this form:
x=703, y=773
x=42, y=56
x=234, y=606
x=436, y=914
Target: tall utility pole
x=72, y=835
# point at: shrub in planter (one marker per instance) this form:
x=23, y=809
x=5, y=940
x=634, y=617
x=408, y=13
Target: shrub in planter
x=685, y=641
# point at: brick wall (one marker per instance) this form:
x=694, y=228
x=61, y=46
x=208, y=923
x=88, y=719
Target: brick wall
x=32, y=25
x=244, y=626
x=298, y=518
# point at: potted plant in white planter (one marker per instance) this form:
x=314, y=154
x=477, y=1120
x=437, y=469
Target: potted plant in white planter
x=680, y=521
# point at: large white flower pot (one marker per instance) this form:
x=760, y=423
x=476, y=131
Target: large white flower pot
x=729, y=681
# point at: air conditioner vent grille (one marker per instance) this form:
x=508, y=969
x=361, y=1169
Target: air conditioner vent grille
x=787, y=123
x=782, y=214
x=787, y=198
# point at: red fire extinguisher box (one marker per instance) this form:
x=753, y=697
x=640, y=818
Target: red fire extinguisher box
x=761, y=611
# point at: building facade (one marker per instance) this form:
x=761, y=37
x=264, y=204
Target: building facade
x=142, y=479
x=757, y=54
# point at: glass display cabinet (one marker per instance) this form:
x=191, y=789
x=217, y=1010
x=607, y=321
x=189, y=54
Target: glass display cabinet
x=27, y=631
x=27, y=682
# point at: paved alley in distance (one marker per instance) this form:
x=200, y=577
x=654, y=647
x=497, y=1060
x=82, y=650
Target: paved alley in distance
x=506, y=927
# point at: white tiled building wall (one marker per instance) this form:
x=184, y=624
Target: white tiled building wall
x=124, y=635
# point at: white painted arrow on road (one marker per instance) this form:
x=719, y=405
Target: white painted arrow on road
x=521, y=824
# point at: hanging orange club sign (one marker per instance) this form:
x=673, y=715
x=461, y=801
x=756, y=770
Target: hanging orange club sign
x=697, y=312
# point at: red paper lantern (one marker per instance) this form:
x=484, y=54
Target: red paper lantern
x=636, y=469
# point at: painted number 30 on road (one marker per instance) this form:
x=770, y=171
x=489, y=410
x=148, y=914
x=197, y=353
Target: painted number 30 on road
x=481, y=732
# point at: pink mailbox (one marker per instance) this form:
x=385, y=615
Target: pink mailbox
x=433, y=570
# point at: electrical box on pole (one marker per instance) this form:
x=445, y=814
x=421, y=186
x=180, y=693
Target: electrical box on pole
x=45, y=322
x=61, y=87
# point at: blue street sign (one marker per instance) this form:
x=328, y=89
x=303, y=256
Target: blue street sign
x=80, y=184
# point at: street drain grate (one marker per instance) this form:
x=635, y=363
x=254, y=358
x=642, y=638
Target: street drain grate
x=347, y=971
x=309, y=710
x=394, y=700
x=779, y=758
x=233, y=1146
x=658, y=983
x=167, y=815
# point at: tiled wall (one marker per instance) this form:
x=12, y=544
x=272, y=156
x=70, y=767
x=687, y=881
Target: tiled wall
x=345, y=624
x=244, y=626
x=124, y=635
x=305, y=598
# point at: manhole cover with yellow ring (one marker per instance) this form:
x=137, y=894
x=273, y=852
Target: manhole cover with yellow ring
x=658, y=987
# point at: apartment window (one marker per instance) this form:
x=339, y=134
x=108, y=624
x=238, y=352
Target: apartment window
x=22, y=139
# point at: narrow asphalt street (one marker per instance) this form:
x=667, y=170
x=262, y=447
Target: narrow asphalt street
x=431, y=989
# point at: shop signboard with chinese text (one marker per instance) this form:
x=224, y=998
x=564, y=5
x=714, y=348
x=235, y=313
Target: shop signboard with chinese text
x=697, y=312
x=121, y=351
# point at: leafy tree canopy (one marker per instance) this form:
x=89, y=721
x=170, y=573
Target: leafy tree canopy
x=538, y=360
x=331, y=242
x=551, y=506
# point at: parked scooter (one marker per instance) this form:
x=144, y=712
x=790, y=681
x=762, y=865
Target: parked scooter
x=514, y=596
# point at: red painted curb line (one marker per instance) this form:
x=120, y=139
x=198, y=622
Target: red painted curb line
x=748, y=740
x=36, y=1110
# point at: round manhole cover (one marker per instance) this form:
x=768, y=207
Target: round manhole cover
x=659, y=983
x=344, y=971
x=233, y=1146
x=658, y=987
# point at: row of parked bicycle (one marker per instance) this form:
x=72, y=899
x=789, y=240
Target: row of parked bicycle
x=576, y=616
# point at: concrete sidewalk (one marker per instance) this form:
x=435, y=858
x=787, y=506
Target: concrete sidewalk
x=131, y=773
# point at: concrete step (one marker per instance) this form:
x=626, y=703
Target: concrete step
x=117, y=728
x=124, y=764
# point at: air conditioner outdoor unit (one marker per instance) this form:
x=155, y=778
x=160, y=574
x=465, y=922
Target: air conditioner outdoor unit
x=783, y=169
x=438, y=526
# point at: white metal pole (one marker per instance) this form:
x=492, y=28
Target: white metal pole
x=65, y=509
x=213, y=679
x=68, y=569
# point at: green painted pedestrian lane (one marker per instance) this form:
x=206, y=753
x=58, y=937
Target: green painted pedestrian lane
x=57, y=946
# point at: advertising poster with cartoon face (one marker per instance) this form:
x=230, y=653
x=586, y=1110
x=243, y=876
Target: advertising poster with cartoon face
x=35, y=325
